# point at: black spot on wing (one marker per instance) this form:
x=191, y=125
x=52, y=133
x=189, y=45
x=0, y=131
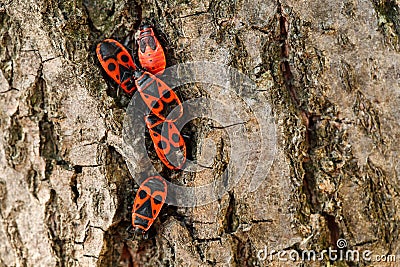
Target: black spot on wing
x=111, y=67
x=142, y=194
x=162, y=145
x=175, y=137
x=167, y=94
x=157, y=199
x=155, y=104
x=125, y=58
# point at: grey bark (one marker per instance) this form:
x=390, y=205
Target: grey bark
x=330, y=70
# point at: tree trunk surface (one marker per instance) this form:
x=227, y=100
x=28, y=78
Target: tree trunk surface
x=329, y=71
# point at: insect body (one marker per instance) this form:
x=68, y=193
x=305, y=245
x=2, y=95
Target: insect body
x=158, y=96
x=168, y=142
x=148, y=202
x=118, y=63
x=150, y=52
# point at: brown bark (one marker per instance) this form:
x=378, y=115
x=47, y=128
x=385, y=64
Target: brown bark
x=329, y=69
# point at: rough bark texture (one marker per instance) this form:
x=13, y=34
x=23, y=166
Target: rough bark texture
x=331, y=73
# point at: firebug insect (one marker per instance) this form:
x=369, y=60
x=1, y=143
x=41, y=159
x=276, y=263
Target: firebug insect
x=151, y=54
x=118, y=63
x=158, y=96
x=168, y=142
x=148, y=202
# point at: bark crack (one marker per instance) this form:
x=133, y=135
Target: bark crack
x=312, y=132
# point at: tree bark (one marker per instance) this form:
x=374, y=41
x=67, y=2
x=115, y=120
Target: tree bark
x=329, y=70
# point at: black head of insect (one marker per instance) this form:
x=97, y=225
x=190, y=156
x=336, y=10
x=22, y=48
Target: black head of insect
x=145, y=24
